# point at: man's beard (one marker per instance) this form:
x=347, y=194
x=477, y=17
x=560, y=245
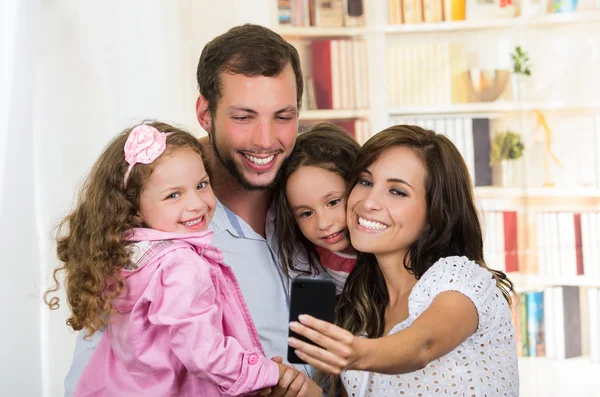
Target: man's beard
x=234, y=170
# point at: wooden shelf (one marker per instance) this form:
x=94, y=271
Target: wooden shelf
x=492, y=108
x=331, y=114
x=548, y=20
x=524, y=281
x=313, y=32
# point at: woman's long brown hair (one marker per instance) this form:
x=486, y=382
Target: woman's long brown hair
x=453, y=227
x=90, y=240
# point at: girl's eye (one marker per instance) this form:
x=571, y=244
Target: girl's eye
x=202, y=185
x=305, y=214
x=333, y=203
x=173, y=195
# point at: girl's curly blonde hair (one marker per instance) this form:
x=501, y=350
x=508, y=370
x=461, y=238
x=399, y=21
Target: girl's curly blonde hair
x=90, y=240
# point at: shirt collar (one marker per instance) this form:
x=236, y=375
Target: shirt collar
x=226, y=220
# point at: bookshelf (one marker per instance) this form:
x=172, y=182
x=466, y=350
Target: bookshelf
x=495, y=109
x=539, y=282
x=565, y=91
x=542, y=21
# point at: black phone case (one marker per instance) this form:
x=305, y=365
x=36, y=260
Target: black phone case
x=313, y=297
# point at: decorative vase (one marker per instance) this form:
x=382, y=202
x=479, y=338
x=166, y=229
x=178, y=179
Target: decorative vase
x=521, y=87
x=507, y=173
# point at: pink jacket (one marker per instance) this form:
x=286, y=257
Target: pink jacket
x=183, y=328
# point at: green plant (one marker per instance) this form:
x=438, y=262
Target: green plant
x=520, y=62
x=506, y=146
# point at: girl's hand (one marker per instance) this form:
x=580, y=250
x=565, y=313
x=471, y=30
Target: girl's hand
x=340, y=350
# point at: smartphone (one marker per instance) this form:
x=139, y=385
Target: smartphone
x=312, y=297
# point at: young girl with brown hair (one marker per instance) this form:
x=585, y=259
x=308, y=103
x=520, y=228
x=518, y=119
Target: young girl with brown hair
x=138, y=260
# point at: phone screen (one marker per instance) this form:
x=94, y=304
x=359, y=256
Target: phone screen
x=312, y=297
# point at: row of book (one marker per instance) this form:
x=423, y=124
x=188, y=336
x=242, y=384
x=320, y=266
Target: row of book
x=417, y=11
x=339, y=74
x=501, y=240
x=568, y=243
x=471, y=136
x=427, y=74
x=324, y=13
x=432, y=11
x=559, y=322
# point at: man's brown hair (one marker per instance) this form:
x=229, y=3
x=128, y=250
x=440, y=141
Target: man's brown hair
x=251, y=50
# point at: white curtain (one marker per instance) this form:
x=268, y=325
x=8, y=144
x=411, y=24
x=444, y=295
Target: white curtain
x=73, y=74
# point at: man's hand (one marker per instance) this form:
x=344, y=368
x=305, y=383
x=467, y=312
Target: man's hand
x=294, y=383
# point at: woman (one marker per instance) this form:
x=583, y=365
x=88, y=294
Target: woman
x=421, y=314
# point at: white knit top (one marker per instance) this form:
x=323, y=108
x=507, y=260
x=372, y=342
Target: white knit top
x=485, y=364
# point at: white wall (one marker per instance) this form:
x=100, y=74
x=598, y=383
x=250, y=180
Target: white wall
x=73, y=75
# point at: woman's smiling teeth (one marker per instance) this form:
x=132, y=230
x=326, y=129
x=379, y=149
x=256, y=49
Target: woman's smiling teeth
x=371, y=224
x=193, y=222
x=259, y=161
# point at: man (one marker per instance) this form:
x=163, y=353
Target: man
x=250, y=85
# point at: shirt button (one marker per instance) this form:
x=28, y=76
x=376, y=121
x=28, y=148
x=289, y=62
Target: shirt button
x=252, y=359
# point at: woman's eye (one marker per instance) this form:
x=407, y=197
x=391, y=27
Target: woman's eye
x=202, y=185
x=365, y=182
x=397, y=192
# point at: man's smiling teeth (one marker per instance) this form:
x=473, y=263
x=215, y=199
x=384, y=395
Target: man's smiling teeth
x=371, y=224
x=259, y=161
x=194, y=222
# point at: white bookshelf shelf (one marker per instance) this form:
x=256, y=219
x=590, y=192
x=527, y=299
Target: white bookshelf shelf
x=492, y=108
x=540, y=376
x=525, y=281
x=495, y=193
x=548, y=20
x=331, y=114
x=315, y=32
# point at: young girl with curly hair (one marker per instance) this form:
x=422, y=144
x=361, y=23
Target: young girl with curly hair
x=138, y=260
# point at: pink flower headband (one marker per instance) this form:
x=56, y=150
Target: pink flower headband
x=144, y=145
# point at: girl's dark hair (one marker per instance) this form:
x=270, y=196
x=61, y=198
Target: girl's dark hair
x=90, y=240
x=326, y=146
x=453, y=227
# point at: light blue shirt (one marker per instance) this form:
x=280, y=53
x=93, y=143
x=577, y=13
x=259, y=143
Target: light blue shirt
x=254, y=261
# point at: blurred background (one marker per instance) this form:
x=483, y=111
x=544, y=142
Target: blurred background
x=515, y=85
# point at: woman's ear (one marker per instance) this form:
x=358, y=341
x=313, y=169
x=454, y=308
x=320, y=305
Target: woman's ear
x=203, y=114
